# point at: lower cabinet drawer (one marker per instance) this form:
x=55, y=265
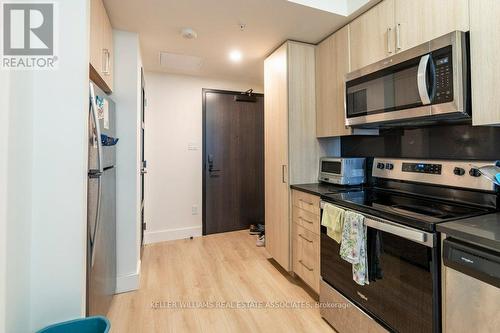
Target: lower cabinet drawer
x=306, y=256
x=346, y=317
x=306, y=219
x=306, y=201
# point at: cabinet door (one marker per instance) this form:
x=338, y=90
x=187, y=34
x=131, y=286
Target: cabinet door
x=420, y=21
x=485, y=57
x=304, y=149
x=332, y=63
x=96, y=28
x=372, y=35
x=107, y=50
x=276, y=157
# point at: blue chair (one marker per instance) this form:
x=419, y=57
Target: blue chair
x=97, y=324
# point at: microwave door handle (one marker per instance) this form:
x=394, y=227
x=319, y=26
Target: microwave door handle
x=422, y=80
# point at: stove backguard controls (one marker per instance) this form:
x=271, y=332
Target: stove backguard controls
x=474, y=172
x=448, y=173
x=459, y=171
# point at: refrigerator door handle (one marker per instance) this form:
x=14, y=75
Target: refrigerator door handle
x=97, y=220
x=93, y=109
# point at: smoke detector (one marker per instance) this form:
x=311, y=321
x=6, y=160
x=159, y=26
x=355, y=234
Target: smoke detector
x=189, y=33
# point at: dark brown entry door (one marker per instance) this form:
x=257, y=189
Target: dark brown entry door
x=233, y=180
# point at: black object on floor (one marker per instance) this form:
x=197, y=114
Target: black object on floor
x=256, y=229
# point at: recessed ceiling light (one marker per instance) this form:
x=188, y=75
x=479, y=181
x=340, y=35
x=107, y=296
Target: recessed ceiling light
x=235, y=56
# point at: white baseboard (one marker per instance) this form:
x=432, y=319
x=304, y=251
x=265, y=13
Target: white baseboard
x=171, y=234
x=129, y=282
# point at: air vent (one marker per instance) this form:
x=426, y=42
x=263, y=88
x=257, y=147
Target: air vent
x=180, y=62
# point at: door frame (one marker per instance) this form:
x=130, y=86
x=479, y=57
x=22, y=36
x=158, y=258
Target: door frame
x=143, y=158
x=204, y=92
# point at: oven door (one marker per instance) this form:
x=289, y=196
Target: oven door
x=412, y=85
x=403, y=294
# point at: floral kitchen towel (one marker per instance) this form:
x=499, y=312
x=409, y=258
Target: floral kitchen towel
x=353, y=246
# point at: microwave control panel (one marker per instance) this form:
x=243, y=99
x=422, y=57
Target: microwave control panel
x=443, y=78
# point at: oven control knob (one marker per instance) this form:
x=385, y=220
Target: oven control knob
x=459, y=171
x=389, y=166
x=474, y=172
x=381, y=166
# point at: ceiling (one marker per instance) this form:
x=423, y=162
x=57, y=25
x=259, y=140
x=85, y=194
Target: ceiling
x=268, y=23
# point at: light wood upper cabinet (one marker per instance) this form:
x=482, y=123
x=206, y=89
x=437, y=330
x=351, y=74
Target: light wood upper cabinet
x=291, y=149
x=96, y=28
x=108, y=52
x=485, y=57
x=420, y=21
x=101, y=46
x=332, y=63
x=372, y=35
x=393, y=26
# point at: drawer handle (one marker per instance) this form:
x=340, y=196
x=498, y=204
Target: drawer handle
x=306, y=202
x=303, y=219
x=308, y=268
x=304, y=238
x=106, y=62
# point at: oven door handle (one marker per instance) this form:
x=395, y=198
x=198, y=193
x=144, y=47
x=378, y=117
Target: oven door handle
x=407, y=233
x=392, y=228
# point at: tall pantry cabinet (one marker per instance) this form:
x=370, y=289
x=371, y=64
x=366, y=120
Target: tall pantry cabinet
x=291, y=149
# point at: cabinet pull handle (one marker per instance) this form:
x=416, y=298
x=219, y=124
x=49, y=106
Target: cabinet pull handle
x=108, y=66
x=389, y=31
x=303, y=219
x=308, y=268
x=304, y=238
x=398, y=37
x=106, y=54
x=104, y=60
x=306, y=202
x=283, y=174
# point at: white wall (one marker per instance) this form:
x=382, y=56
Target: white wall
x=174, y=179
x=19, y=203
x=4, y=127
x=58, y=234
x=46, y=188
x=127, y=97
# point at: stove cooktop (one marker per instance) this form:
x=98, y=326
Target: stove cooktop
x=412, y=210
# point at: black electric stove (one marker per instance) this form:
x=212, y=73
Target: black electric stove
x=402, y=206
x=410, y=209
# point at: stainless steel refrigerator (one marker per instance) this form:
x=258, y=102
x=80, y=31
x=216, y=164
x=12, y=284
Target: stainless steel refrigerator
x=101, y=203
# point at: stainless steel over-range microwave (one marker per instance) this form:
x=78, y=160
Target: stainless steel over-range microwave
x=342, y=171
x=425, y=84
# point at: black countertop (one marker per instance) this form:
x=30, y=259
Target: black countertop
x=481, y=230
x=320, y=189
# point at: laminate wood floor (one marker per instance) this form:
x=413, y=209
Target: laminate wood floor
x=214, y=269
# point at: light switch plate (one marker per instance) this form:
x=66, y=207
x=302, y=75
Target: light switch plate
x=194, y=210
x=192, y=146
